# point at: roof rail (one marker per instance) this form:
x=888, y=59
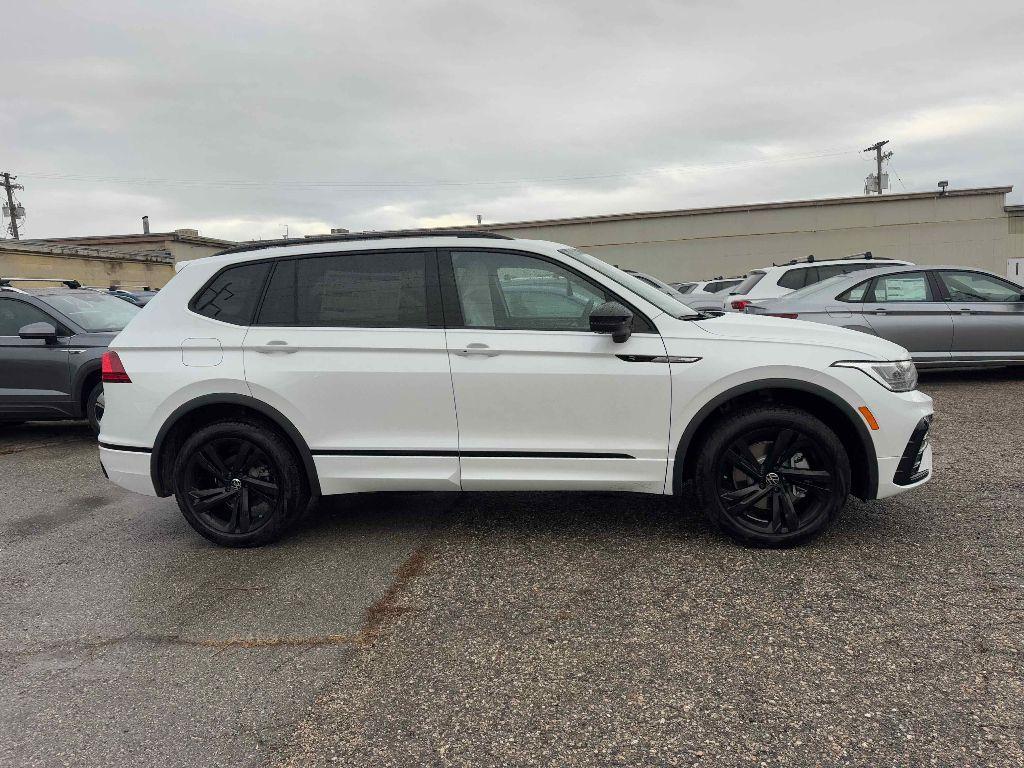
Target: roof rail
x=356, y=236
x=5, y=282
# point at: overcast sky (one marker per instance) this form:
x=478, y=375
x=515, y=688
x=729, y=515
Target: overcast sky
x=238, y=118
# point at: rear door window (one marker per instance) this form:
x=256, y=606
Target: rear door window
x=359, y=290
x=904, y=287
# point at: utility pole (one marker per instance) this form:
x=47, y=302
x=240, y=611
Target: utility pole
x=880, y=157
x=10, y=202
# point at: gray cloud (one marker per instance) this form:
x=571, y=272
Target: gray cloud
x=123, y=108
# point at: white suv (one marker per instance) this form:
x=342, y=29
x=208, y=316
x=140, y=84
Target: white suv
x=263, y=377
x=781, y=279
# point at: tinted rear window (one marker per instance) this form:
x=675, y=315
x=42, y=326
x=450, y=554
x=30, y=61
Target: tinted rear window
x=233, y=294
x=363, y=290
x=751, y=280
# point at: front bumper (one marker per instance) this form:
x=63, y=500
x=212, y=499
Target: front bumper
x=129, y=469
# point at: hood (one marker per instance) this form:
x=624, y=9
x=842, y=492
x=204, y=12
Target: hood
x=734, y=325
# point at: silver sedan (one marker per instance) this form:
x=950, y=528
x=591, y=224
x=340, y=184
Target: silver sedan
x=947, y=317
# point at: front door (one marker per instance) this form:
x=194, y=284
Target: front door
x=903, y=308
x=988, y=315
x=542, y=401
x=351, y=348
x=35, y=377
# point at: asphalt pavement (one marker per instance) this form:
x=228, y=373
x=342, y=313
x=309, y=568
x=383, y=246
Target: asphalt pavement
x=518, y=629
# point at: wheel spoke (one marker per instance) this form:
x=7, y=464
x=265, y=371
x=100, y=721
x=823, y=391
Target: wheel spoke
x=746, y=498
x=783, y=443
x=211, y=462
x=212, y=500
x=244, y=519
x=260, y=485
x=744, y=461
x=788, y=511
x=241, y=458
x=813, y=479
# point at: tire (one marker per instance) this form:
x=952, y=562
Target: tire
x=94, y=405
x=239, y=483
x=772, y=476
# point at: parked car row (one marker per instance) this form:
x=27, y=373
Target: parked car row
x=944, y=316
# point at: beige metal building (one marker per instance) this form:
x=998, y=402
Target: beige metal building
x=129, y=261
x=972, y=227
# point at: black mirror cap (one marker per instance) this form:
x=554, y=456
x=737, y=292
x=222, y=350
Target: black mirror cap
x=611, y=317
x=43, y=331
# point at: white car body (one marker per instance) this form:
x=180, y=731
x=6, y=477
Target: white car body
x=771, y=281
x=423, y=409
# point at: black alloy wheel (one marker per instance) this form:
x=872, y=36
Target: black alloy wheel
x=231, y=486
x=238, y=483
x=773, y=476
x=94, y=406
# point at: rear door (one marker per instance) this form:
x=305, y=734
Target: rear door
x=351, y=348
x=903, y=308
x=543, y=402
x=987, y=312
x=35, y=377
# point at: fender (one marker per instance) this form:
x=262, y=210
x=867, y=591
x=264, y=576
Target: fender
x=272, y=414
x=795, y=384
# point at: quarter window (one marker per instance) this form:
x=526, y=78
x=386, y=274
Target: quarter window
x=514, y=291
x=855, y=294
x=797, y=278
x=15, y=315
x=233, y=294
x=902, y=287
x=360, y=290
x=975, y=286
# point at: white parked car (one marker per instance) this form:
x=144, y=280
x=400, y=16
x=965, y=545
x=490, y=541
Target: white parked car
x=781, y=279
x=274, y=373
x=707, y=286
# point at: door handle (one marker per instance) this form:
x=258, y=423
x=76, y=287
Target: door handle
x=879, y=311
x=966, y=311
x=476, y=350
x=276, y=346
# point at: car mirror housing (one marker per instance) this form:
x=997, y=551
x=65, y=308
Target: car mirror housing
x=43, y=331
x=611, y=317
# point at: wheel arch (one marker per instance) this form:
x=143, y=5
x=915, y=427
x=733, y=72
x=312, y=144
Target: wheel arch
x=218, y=406
x=815, y=399
x=86, y=377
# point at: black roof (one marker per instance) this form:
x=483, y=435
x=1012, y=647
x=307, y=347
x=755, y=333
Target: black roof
x=356, y=236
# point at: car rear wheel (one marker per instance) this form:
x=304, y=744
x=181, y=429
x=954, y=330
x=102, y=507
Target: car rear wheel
x=238, y=483
x=772, y=476
x=94, y=405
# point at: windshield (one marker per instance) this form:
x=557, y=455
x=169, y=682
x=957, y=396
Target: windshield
x=94, y=312
x=661, y=300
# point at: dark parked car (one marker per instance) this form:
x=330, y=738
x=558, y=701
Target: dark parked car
x=139, y=297
x=51, y=342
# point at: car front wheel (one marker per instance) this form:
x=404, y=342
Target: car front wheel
x=94, y=405
x=772, y=476
x=238, y=483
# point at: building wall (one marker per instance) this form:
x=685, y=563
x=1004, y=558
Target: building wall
x=99, y=272
x=962, y=227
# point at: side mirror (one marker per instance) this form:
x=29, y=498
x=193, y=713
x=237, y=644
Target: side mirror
x=611, y=317
x=43, y=331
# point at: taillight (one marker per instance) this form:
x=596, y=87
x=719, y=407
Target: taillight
x=113, y=370
x=790, y=315
x=740, y=304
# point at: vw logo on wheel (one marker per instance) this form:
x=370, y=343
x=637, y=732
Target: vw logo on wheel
x=772, y=479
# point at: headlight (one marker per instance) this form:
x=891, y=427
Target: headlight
x=899, y=376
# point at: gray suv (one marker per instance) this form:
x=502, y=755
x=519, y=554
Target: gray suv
x=51, y=342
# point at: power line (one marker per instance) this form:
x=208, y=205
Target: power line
x=387, y=186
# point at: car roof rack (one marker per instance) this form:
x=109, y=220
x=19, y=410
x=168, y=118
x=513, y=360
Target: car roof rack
x=356, y=236
x=5, y=282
